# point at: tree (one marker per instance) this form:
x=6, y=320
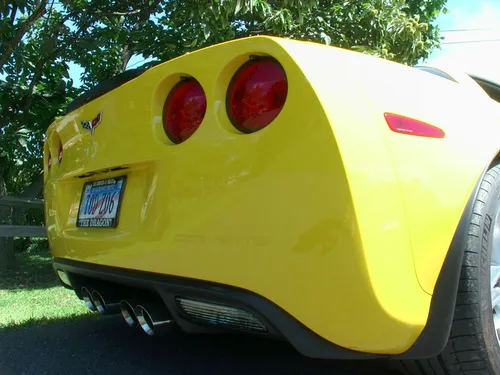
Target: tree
x=40, y=38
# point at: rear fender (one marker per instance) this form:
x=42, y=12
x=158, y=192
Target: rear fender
x=436, y=177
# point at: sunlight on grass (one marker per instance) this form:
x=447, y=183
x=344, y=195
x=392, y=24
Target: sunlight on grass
x=32, y=294
x=18, y=307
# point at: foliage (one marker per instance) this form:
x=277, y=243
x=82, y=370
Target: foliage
x=41, y=38
x=398, y=30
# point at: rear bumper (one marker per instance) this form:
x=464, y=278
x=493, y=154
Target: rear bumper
x=279, y=324
x=284, y=322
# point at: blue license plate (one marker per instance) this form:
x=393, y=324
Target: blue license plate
x=100, y=203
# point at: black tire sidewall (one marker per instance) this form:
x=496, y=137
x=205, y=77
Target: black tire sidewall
x=490, y=211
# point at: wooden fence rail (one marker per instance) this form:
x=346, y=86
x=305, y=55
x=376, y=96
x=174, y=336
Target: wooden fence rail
x=22, y=230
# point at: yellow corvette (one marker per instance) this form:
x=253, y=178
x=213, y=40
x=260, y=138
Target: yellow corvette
x=344, y=203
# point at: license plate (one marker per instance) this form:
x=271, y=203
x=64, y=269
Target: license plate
x=100, y=203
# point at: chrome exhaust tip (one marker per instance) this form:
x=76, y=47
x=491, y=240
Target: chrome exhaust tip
x=87, y=298
x=128, y=313
x=98, y=301
x=153, y=320
x=103, y=307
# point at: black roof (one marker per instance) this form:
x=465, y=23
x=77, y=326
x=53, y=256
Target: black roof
x=491, y=87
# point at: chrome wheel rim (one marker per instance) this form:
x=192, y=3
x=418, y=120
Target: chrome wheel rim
x=495, y=275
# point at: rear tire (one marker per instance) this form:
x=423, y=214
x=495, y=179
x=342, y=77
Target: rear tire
x=473, y=347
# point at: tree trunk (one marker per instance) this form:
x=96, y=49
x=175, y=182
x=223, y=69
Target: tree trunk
x=7, y=257
x=29, y=97
x=126, y=55
x=144, y=15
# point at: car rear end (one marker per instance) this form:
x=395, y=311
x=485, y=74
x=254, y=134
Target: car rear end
x=246, y=186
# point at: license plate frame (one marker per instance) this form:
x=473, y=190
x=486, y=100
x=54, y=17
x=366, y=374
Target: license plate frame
x=88, y=217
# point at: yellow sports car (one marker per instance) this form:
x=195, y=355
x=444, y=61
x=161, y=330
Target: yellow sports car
x=341, y=202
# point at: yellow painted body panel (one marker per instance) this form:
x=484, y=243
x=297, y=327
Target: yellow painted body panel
x=325, y=212
x=436, y=176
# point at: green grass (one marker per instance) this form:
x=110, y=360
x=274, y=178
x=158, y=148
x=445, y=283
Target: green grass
x=32, y=294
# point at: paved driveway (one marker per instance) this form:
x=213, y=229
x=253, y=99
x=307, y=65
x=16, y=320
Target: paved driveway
x=108, y=347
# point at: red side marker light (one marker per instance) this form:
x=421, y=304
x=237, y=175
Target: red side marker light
x=406, y=125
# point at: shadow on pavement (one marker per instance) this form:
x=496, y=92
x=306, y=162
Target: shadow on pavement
x=107, y=346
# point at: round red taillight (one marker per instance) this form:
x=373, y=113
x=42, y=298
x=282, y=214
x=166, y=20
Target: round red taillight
x=184, y=110
x=256, y=94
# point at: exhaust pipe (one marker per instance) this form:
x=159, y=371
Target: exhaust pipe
x=153, y=318
x=87, y=298
x=128, y=313
x=103, y=306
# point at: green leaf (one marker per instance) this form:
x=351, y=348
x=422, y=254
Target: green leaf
x=48, y=46
x=23, y=142
x=326, y=39
x=23, y=131
x=301, y=19
x=206, y=31
x=239, y=5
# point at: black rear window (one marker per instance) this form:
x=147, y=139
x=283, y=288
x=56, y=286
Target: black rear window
x=436, y=72
x=104, y=87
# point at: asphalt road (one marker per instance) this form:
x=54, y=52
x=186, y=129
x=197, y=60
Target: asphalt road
x=108, y=346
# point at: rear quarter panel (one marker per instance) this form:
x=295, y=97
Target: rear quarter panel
x=435, y=176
